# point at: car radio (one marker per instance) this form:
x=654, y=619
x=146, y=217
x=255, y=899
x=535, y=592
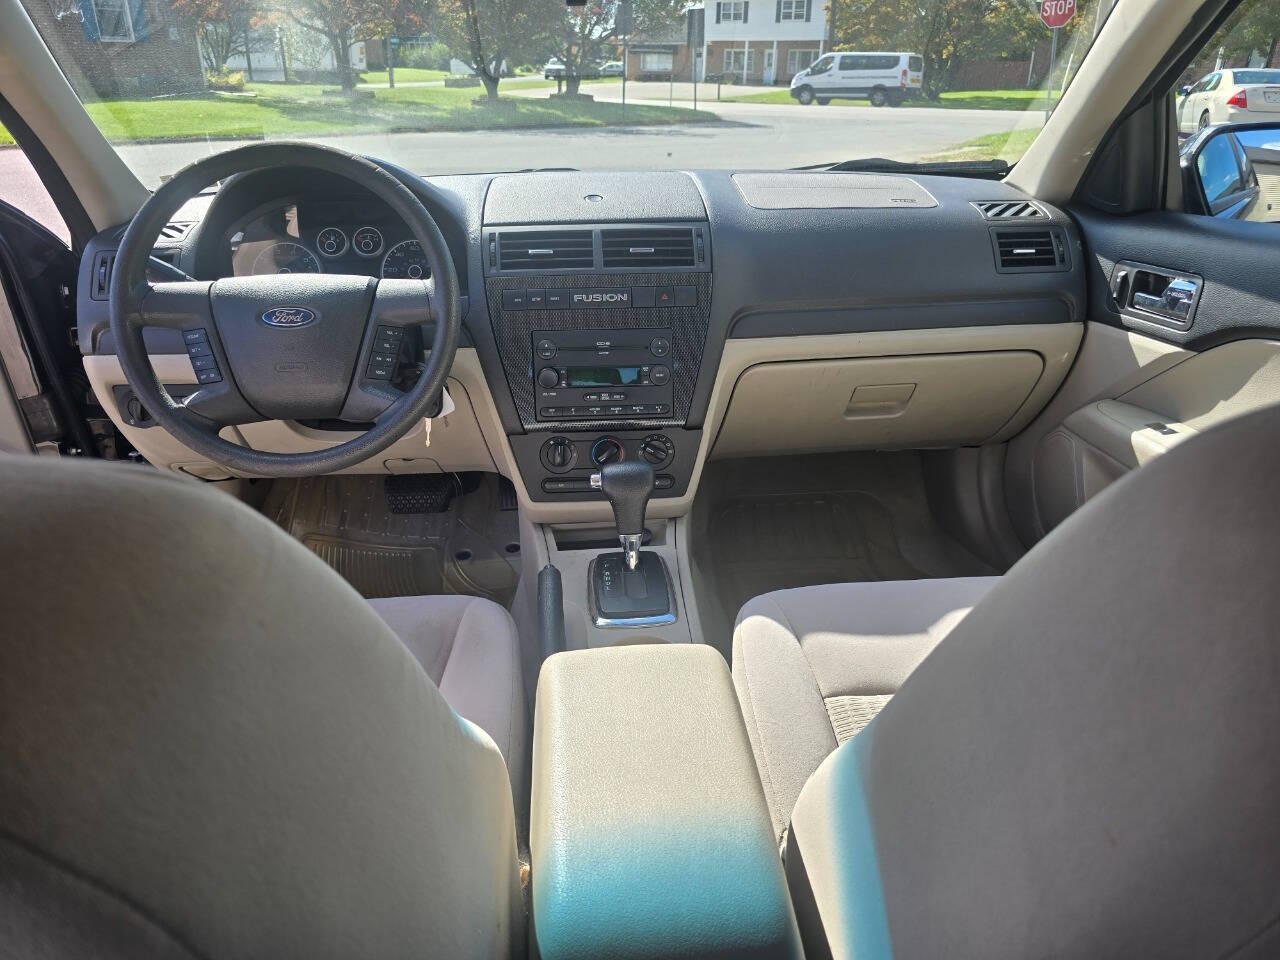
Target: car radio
x=602, y=374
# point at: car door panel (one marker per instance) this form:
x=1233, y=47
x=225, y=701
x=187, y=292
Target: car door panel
x=1140, y=387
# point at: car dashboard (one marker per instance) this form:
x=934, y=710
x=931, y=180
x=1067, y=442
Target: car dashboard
x=676, y=317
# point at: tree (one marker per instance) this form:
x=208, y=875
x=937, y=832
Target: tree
x=498, y=32
x=344, y=23
x=1253, y=28
x=946, y=33
x=582, y=31
x=222, y=27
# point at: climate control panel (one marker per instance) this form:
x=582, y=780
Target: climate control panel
x=568, y=460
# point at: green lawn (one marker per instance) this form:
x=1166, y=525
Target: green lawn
x=1008, y=147
x=302, y=110
x=403, y=75
x=955, y=100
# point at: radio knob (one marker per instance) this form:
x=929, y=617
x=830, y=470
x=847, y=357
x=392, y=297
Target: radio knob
x=607, y=450
x=548, y=377
x=659, y=375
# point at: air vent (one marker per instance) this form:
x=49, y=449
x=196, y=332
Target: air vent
x=1009, y=210
x=546, y=250
x=1020, y=251
x=175, y=231
x=640, y=247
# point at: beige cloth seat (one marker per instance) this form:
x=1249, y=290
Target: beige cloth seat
x=212, y=746
x=471, y=651
x=813, y=665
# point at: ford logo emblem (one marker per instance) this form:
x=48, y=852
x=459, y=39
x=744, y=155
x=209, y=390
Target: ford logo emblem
x=288, y=317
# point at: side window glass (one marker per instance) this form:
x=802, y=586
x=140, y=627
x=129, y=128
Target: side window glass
x=1219, y=170
x=21, y=187
x=1229, y=124
x=821, y=65
x=849, y=63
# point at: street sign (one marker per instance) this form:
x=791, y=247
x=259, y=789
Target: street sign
x=1056, y=13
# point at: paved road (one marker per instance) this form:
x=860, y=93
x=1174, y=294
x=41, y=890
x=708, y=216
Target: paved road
x=768, y=136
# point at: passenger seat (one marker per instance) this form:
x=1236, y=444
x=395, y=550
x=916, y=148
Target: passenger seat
x=813, y=666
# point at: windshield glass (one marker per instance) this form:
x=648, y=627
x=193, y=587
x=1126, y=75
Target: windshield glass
x=454, y=86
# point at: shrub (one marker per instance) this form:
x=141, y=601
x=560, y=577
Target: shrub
x=228, y=81
x=424, y=56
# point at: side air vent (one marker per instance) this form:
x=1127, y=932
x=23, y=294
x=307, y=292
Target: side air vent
x=1009, y=210
x=1025, y=251
x=640, y=247
x=546, y=250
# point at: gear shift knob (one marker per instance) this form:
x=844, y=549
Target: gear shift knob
x=628, y=485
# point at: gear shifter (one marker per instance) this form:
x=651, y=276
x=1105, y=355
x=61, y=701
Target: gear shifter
x=631, y=588
x=628, y=485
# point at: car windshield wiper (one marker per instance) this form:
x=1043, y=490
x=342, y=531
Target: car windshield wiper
x=983, y=169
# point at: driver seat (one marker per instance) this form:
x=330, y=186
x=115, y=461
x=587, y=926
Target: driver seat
x=214, y=747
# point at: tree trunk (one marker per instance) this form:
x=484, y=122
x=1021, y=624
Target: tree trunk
x=342, y=61
x=571, y=85
x=390, y=52
x=490, y=84
x=1271, y=52
x=248, y=52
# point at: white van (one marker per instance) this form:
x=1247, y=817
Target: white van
x=883, y=78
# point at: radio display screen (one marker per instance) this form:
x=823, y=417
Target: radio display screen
x=603, y=376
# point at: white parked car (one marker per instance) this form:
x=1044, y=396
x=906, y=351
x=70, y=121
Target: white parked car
x=883, y=78
x=611, y=69
x=554, y=69
x=1230, y=96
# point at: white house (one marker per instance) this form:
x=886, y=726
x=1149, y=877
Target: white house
x=764, y=41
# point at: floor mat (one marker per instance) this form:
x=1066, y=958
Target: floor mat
x=471, y=548
x=775, y=542
x=771, y=524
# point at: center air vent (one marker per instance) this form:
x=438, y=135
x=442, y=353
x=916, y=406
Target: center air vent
x=546, y=250
x=1009, y=210
x=639, y=247
x=175, y=230
x=1019, y=251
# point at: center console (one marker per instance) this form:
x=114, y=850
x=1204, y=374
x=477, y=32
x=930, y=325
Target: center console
x=600, y=331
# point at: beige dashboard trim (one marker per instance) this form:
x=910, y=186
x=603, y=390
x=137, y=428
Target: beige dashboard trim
x=478, y=441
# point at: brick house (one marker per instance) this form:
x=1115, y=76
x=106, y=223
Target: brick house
x=120, y=48
x=664, y=52
x=764, y=41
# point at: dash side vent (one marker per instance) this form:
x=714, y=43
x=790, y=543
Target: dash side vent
x=546, y=250
x=1009, y=210
x=1027, y=250
x=640, y=247
x=175, y=230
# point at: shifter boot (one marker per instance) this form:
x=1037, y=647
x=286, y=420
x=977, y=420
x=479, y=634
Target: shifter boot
x=622, y=594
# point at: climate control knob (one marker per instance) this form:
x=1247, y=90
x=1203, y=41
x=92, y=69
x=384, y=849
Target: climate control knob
x=607, y=450
x=548, y=377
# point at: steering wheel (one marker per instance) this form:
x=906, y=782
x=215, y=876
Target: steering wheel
x=285, y=346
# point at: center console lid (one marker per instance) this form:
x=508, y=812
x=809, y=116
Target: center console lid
x=649, y=833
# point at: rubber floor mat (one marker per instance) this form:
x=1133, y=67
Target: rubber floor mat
x=471, y=548
x=766, y=543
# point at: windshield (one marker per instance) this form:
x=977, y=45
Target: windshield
x=455, y=86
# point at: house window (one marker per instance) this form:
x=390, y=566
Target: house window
x=733, y=61
x=733, y=11
x=656, y=62
x=115, y=23
x=792, y=9
x=798, y=60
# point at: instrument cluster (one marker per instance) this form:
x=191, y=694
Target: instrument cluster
x=337, y=236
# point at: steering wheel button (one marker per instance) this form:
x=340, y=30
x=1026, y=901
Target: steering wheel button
x=195, y=336
x=212, y=375
x=203, y=363
x=380, y=371
x=198, y=350
x=393, y=332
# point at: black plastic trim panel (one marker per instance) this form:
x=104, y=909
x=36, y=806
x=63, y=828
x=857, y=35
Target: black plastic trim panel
x=1240, y=297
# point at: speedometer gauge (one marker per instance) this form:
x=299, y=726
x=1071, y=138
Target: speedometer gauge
x=405, y=261
x=286, y=257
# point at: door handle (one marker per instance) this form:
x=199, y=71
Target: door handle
x=1155, y=294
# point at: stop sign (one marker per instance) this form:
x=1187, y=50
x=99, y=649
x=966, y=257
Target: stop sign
x=1056, y=13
